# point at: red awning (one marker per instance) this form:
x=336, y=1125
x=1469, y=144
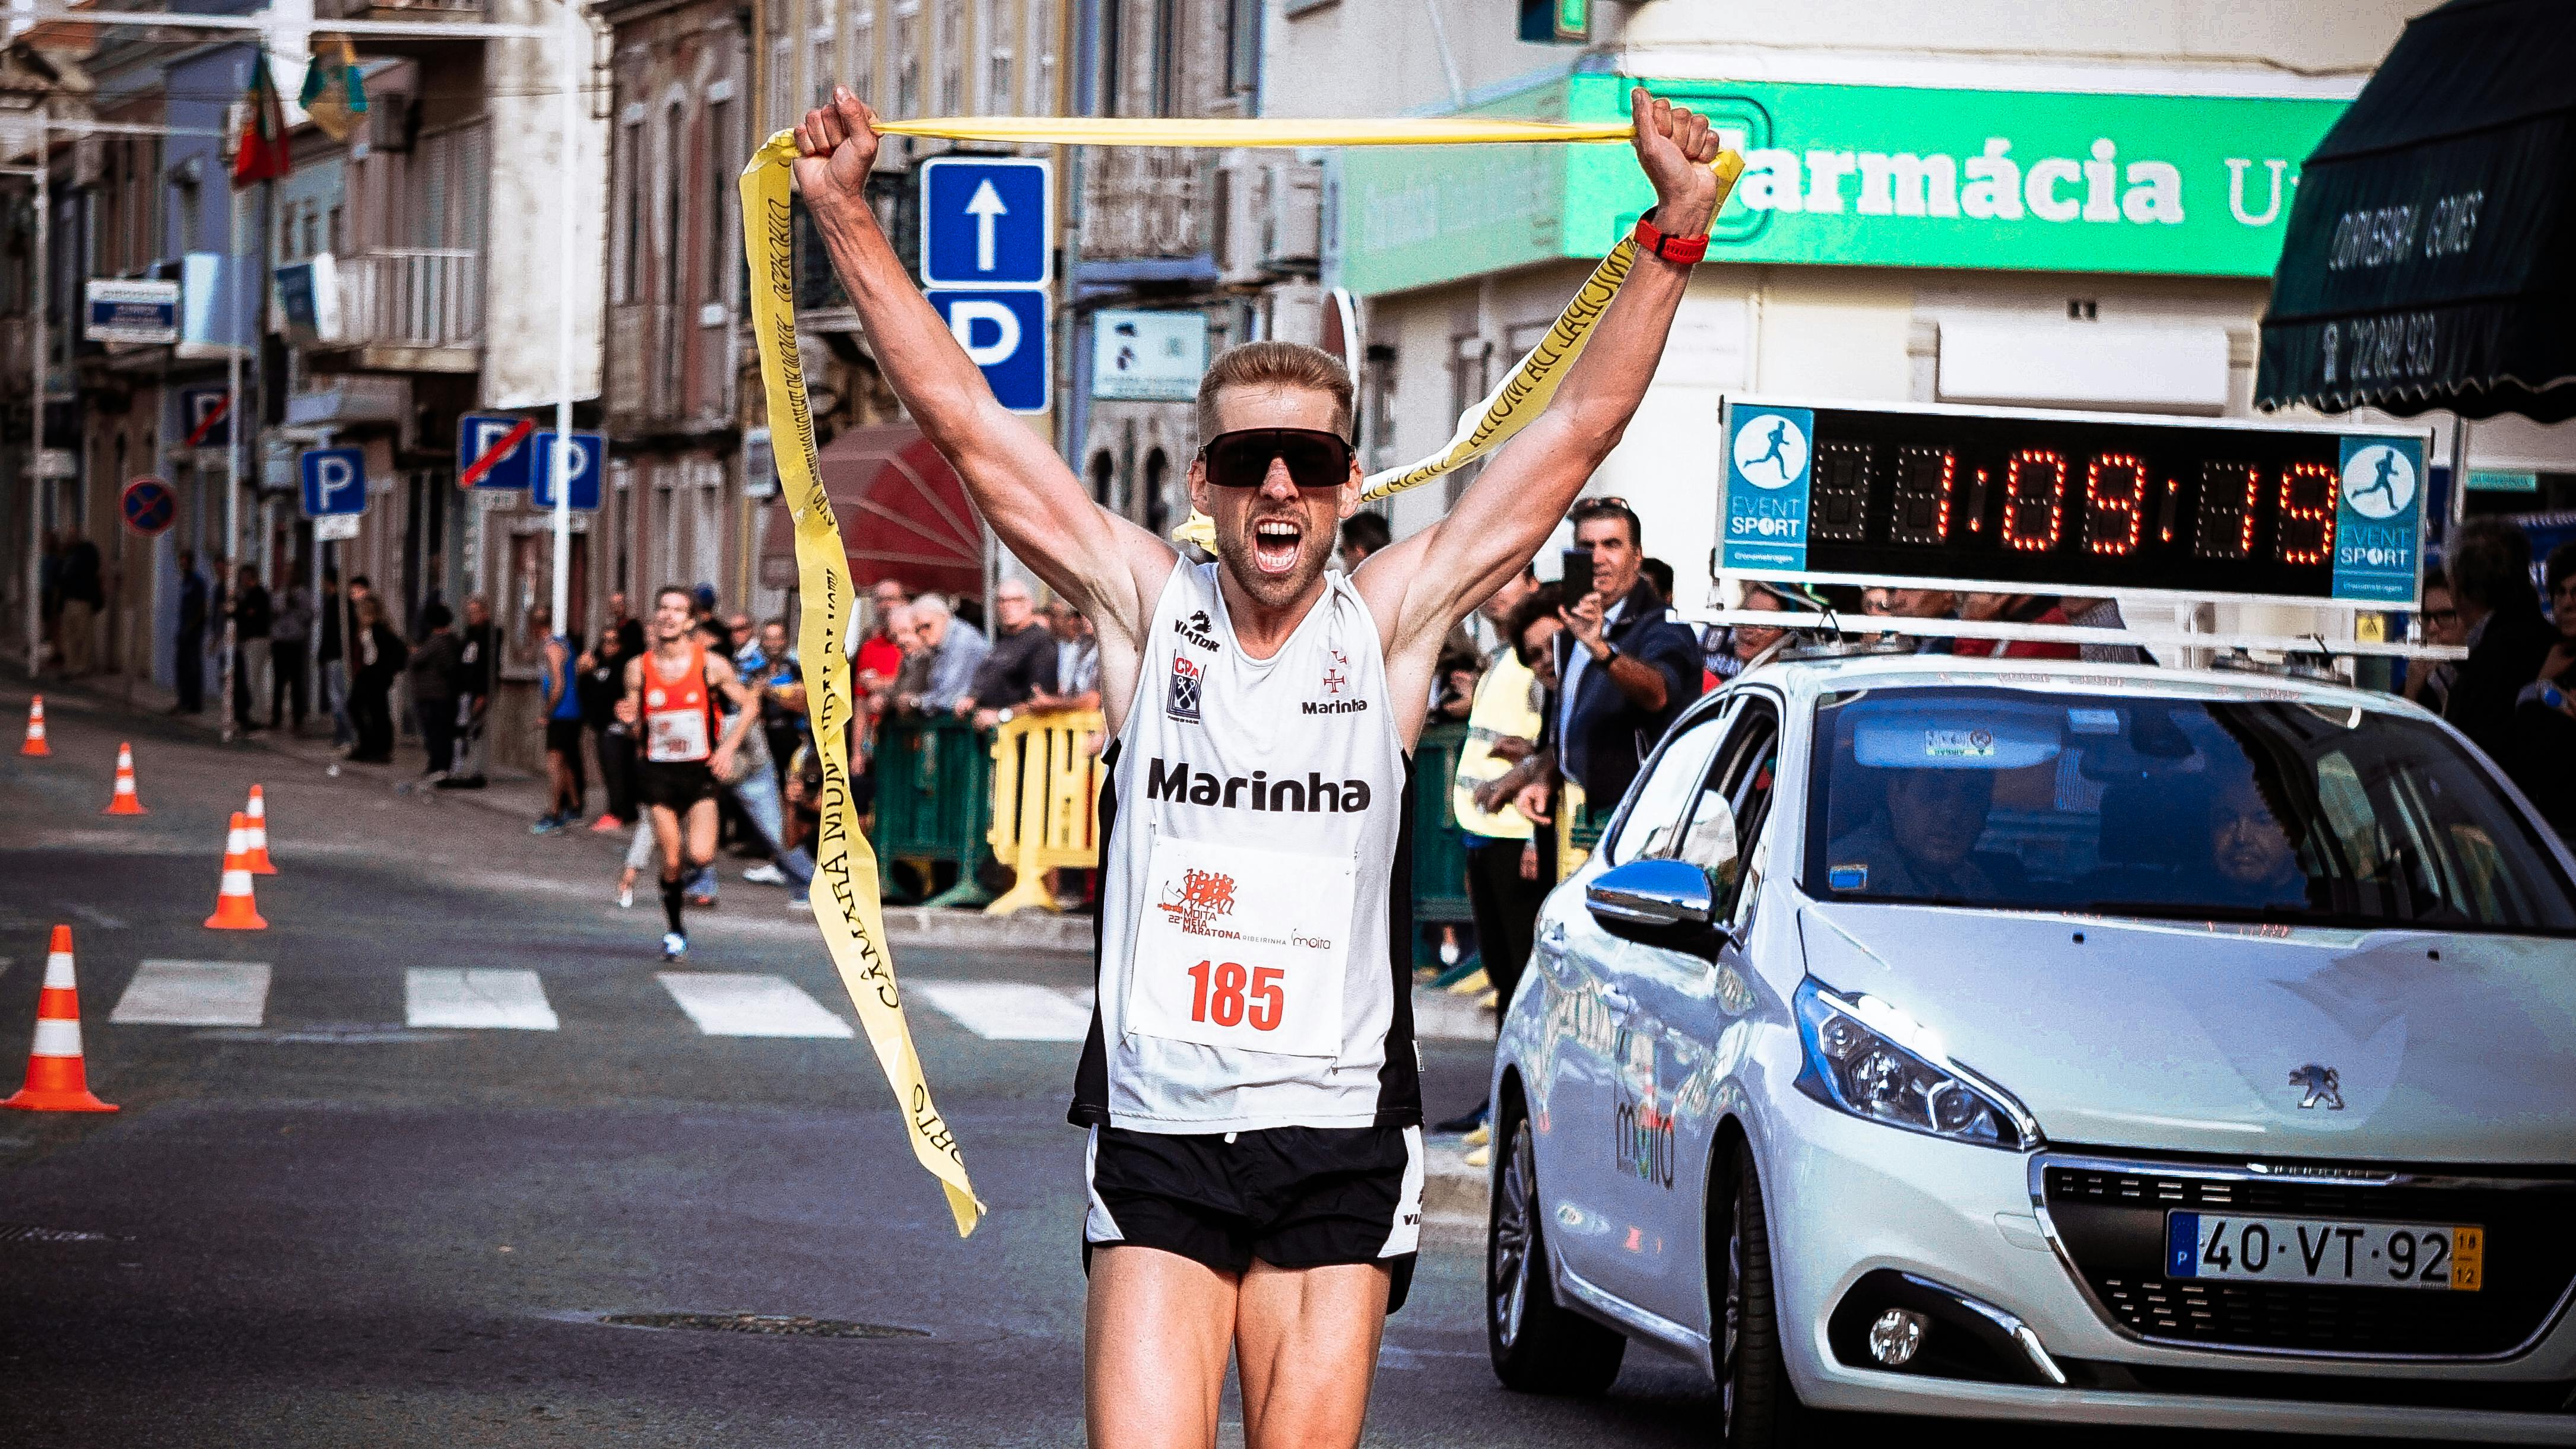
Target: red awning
x=903, y=513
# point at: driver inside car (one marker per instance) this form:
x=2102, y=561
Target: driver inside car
x=2256, y=864
x=1919, y=844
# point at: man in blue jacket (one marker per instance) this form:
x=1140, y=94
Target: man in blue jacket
x=1628, y=668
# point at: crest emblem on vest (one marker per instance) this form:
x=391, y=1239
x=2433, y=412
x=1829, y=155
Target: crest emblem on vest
x=1334, y=678
x=1197, y=630
x=1183, y=702
x=653, y=698
x=2320, y=1084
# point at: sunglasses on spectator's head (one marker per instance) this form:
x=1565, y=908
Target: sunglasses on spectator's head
x=1315, y=459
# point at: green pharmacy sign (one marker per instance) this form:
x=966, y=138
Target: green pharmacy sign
x=1875, y=176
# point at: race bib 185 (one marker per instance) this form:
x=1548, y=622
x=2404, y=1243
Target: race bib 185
x=1242, y=948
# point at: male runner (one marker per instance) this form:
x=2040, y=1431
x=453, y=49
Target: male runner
x=688, y=747
x=1255, y=1159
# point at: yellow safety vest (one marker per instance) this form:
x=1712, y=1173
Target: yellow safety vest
x=1502, y=708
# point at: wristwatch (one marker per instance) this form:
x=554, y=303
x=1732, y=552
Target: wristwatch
x=1681, y=250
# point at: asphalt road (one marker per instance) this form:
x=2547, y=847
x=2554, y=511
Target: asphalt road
x=327, y=1220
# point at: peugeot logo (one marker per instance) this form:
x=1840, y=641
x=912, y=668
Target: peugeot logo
x=2321, y=1086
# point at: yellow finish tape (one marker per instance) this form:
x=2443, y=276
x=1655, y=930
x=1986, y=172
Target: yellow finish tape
x=1264, y=131
x=845, y=897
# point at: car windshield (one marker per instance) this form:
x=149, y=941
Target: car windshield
x=2200, y=809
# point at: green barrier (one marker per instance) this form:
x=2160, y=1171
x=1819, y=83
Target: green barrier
x=1439, y=852
x=934, y=792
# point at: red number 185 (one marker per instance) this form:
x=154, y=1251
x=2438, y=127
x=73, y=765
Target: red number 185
x=1224, y=1001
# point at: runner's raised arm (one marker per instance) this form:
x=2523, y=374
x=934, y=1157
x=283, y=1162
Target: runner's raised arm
x=1106, y=565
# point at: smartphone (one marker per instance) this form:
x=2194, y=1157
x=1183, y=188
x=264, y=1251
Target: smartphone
x=1576, y=575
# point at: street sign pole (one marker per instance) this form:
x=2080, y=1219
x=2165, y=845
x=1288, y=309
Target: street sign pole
x=313, y=628
x=574, y=34
x=237, y=455
x=36, y=396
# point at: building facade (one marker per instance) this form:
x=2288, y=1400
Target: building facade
x=1940, y=206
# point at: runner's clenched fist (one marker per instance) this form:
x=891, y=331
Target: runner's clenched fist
x=1674, y=147
x=835, y=147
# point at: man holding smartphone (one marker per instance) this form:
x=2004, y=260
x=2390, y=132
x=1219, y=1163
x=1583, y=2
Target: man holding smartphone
x=1628, y=667
x=1255, y=1163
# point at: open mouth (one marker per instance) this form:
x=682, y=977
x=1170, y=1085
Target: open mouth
x=1276, y=543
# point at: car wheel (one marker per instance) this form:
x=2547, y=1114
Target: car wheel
x=1538, y=1346
x=1759, y=1406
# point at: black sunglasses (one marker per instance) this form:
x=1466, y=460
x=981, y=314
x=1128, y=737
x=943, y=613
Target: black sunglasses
x=1315, y=459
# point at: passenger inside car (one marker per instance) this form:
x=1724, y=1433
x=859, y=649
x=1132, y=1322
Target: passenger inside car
x=1920, y=843
x=2256, y=863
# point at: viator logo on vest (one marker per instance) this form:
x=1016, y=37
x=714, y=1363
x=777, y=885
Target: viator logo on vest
x=1181, y=785
x=1197, y=630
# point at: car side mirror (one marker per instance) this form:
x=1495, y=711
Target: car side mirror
x=1664, y=903
x=1650, y=893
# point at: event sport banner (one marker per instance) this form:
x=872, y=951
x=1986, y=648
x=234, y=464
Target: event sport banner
x=846, y=899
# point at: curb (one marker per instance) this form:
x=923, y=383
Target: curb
x=1032, y=930
x=1454, y=1195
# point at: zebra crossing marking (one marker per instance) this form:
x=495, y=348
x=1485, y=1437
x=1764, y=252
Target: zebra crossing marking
x=491, y=999
x=194, y=993
x=726, y=1003
x=1010, y=1010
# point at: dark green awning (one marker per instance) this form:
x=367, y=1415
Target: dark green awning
x=2430, y=260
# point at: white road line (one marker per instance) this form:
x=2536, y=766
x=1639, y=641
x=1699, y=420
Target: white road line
x=744, y=1004
x=1010, y=1010
x=195, y=993
x=508, y=1000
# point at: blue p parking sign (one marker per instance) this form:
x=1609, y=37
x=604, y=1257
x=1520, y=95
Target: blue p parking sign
x=335, y=481
x=1005, y=333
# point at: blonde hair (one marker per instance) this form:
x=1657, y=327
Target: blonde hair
x=1277, y=365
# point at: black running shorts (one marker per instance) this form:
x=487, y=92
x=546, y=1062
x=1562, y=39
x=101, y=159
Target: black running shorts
x=564, y=737
x=675, y=785
x=1294, y=1197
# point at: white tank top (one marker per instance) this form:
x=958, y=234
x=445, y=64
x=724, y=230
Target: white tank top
x=1255, y=926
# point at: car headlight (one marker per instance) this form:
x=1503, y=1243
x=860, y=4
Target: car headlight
x=1865, y=1059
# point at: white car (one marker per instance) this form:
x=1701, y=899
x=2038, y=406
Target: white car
x=2023, y=1039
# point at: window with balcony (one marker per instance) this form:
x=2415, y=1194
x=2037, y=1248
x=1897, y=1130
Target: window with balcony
x=720, y=179
x=1242, y=45
x=907, y=58
x=675, y=169
x=820, y=52
x=630, y=207
x=1168, y=65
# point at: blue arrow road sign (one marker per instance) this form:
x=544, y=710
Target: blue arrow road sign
x=588, y=452
x=987, y=221
x=335, y=481
x=1005, y=333
x=477, y=435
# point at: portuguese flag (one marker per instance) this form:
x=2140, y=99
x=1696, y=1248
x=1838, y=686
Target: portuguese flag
x=261, y=154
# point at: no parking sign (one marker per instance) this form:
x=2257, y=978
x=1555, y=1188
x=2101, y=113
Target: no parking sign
x=149, y=506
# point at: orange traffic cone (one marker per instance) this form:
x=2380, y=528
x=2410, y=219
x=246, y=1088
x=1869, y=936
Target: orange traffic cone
x=257, y=854
x=235, y=910
x=126, y=802
x=57, y=1079
x=35, y=744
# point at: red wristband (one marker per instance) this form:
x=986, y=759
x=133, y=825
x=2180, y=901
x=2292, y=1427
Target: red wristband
x=1682, y=250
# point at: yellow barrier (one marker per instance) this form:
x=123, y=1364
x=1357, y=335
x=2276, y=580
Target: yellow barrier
x=1046, y=802
x=1570, y=855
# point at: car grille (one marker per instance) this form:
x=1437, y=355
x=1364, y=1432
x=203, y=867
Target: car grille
x=2110, y=1218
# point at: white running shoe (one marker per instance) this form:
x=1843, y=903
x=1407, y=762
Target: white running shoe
x=626, y=898
x=765, y=873
x=674, y=946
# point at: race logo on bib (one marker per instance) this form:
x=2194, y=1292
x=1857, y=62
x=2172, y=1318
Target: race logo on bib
x=1183, y=703
x=1198, y=898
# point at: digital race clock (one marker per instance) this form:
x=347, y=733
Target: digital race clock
x=2028, y=501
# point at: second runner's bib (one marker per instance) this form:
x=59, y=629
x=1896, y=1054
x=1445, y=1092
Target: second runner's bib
x=1255, y=927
